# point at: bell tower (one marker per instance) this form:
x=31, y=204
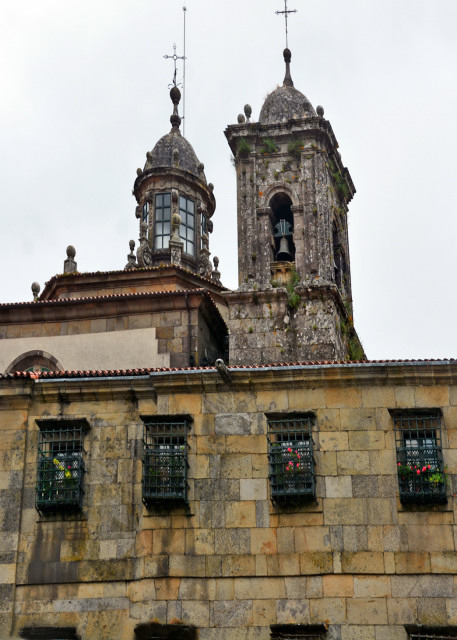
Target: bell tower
x=294, y=301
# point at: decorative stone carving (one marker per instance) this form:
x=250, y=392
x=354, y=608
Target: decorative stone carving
x=175, y=224
x=131, y=260
x=70, y=265
x=144, y=253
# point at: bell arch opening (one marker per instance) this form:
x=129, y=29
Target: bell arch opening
x=283, y=227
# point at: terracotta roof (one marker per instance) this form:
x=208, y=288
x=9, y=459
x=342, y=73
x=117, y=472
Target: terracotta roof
x=112, y=373
x=90, y=274
x=114, y=296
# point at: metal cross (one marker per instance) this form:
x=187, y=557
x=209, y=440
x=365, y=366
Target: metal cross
x=286, y=14
x=174, y=57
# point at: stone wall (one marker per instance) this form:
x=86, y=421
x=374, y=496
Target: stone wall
x=233, y=563
x=265, y=329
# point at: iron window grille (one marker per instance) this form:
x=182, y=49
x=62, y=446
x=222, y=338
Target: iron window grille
x=156, y=631
x=49, y=633
x=60, y=465
x=162, y=220
x=298, y=631
x=433, y=636
x=165, y=463
x=290, y=455
x=420, y=466
x=187, y=226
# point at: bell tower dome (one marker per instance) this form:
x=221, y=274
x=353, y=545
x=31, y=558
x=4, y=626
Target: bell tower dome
x=294, y=301
x=174, y=203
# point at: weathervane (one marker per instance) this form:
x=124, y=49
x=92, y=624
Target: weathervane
x=286, y=14
x=174, y=57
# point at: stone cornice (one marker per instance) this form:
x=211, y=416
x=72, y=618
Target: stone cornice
x=97, y=386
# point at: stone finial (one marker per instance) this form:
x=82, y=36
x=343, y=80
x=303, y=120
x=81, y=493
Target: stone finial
x=70, y=265
x=320, y=110
x=175, y=95
x=148, y=155
x=216, y=274
x=138, y=212
x=35, y=290
x=210, y=226
x=287, y=78
x=241, y=118
x=139, y=171
x=131, y=259
x=201, y=167
x=248, y=112
x=175, y=156
x=211, y=186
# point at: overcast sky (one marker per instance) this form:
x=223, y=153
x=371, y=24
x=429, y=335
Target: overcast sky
x=84, y=95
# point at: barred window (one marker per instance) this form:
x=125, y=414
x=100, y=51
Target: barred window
x=420, y=466
x=162, y=220
x=440, y=633
x=49, y=633
x=433, y=636
x=290, y=454
x=156, y=631
x=60, y=465
x=165, y=463
x=298, y=631
x=187, y=226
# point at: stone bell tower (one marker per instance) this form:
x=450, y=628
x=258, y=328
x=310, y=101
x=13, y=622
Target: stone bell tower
x=294, y=301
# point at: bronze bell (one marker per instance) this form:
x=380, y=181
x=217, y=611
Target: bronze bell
x=284, y=253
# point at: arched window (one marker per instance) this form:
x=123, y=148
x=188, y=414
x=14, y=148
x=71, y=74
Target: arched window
x=34, y=361
x=283, y=227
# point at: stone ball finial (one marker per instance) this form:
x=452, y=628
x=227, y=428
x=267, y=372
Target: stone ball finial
x=201, y=167
x=241, y=118
x=35, y=289
x=132, y=244
x=175, y=95
x=71, y=252
x=320, y=110
x=287, y=55
x=139, y=171
x=216, y=261
x=211, y=186
x=247, y=111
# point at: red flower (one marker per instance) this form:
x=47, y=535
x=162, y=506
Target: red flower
x=418, y=471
